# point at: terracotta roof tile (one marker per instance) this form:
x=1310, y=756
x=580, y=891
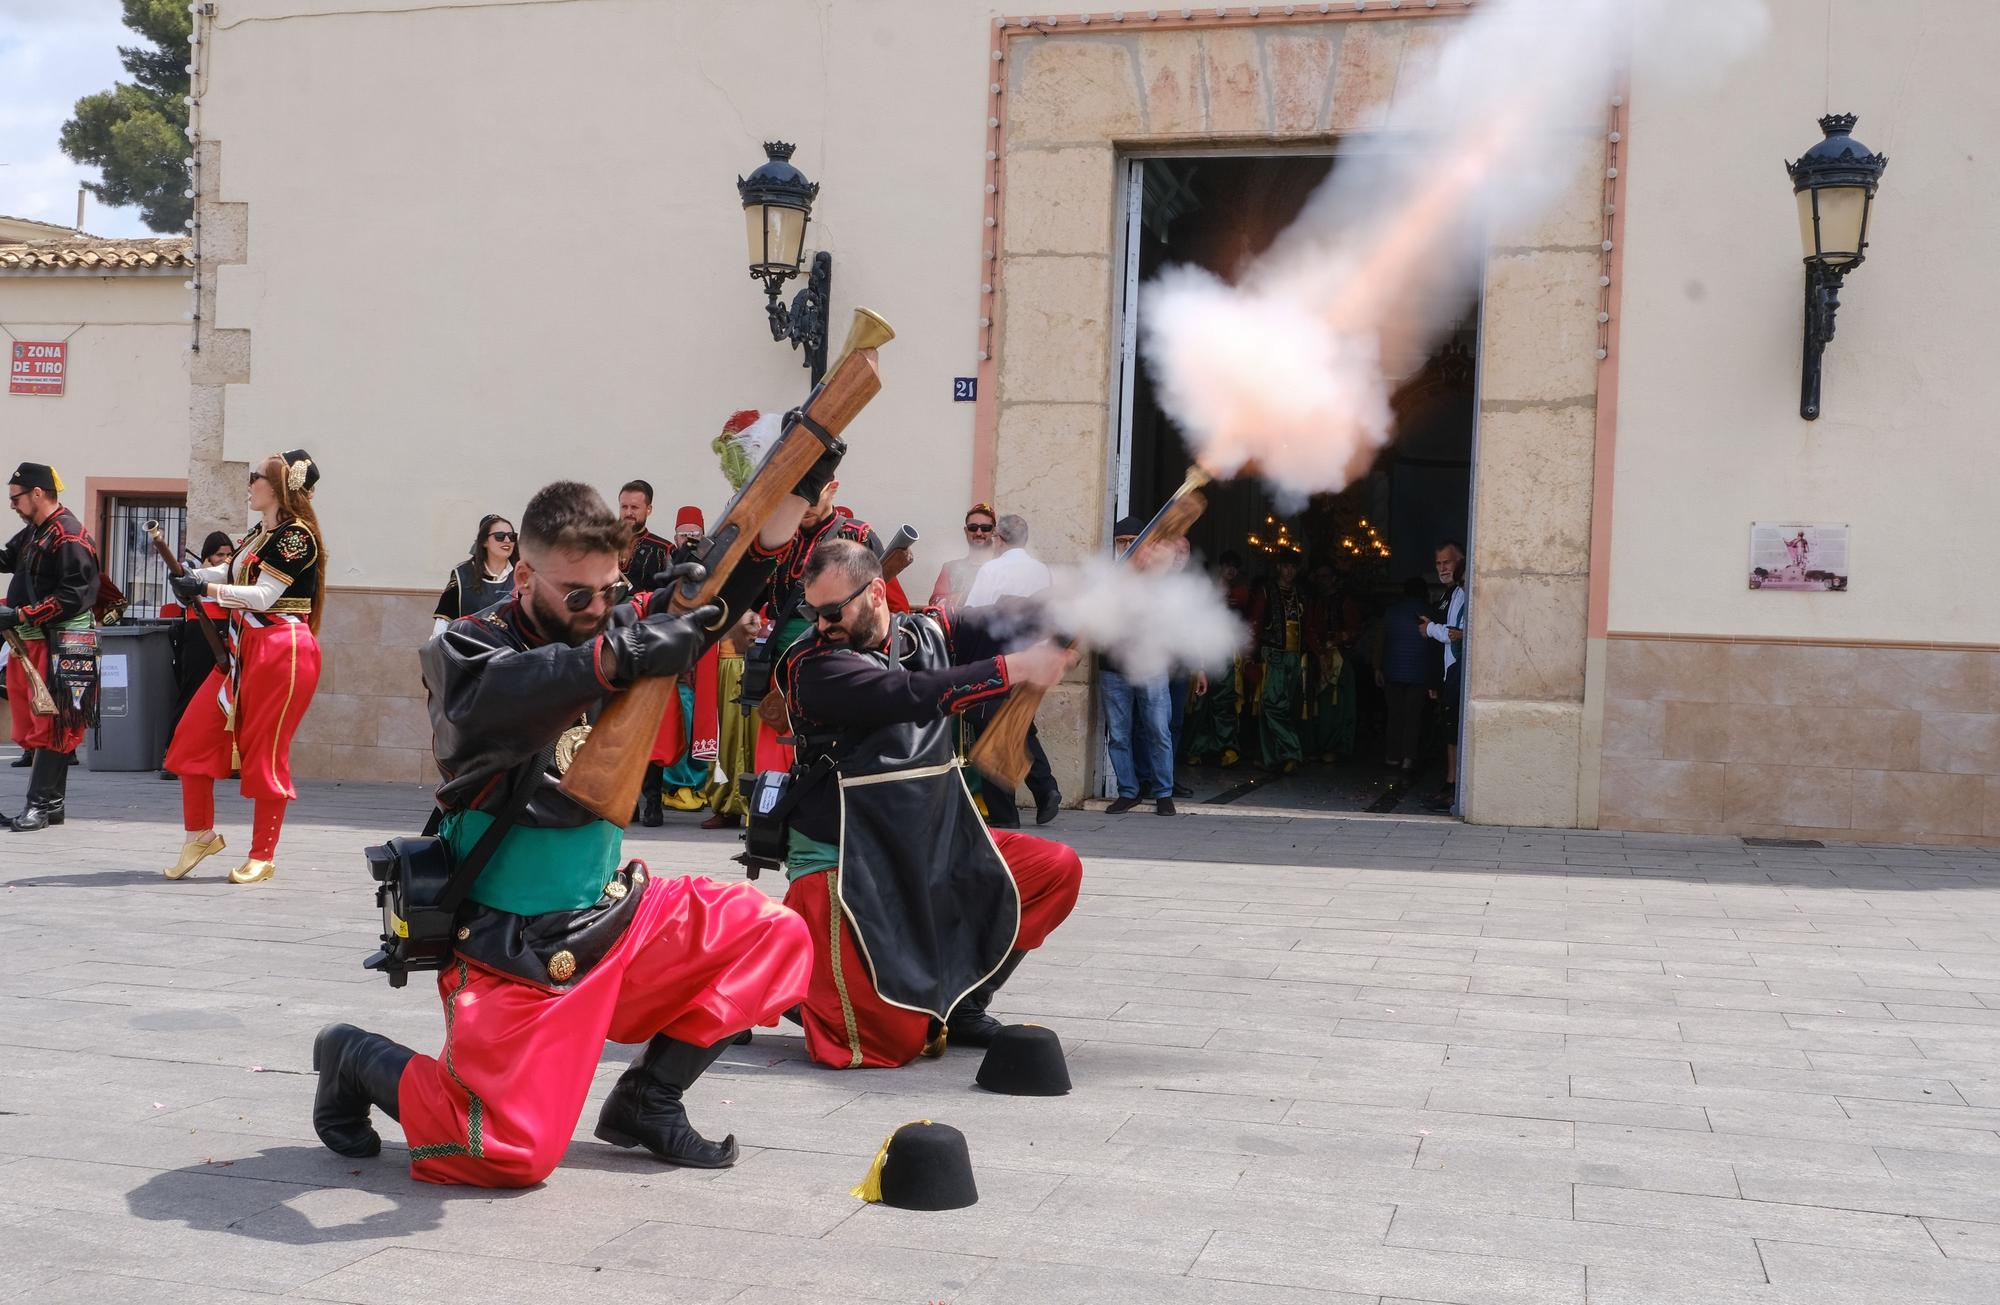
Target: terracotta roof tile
x=88, y=254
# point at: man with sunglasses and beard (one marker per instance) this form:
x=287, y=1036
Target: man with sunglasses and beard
x=917, y=914
x=53, y=584
x=559, y=946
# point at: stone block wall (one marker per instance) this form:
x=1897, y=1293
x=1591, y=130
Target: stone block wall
x=367, y=721
x=1854, y=742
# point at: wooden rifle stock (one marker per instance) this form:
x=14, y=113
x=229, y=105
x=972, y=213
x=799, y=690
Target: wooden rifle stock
x=40, y=701
x=176, y=568
x=611, y=766
x=1001, y=754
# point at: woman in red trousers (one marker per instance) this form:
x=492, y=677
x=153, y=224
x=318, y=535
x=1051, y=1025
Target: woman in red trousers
x=244, y=717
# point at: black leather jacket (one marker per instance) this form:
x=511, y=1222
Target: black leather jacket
x=500, y=692
x=883, y=709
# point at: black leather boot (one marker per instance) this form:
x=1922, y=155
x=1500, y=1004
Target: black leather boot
x=25, y=760
x=650, y=813
x=644, y=1108
x=46, y=784
x=970, y=1025
x=357, y=1069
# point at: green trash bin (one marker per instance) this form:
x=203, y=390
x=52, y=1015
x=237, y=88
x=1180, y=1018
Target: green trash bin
x=135, y=697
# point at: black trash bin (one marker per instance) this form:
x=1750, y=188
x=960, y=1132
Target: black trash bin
x=135, y=697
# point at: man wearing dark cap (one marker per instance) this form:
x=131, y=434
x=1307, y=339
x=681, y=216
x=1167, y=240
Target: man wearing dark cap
x=46, y=618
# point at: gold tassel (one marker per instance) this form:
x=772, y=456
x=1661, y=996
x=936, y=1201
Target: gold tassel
x=56, y=480
x=935, y=1047
x=871, y=1186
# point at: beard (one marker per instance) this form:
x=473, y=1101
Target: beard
x=863, y=632
x=558, y=622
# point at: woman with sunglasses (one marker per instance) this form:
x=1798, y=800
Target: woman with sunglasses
x=246, y=714
x=484, y=579
x=954, y=579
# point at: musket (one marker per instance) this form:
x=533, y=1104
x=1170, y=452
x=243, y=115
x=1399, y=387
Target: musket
x=176, y=568
x=40, y=701
x=610, y=767
x=1001, y=753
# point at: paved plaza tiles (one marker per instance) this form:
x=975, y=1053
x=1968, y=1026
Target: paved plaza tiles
x=1316, y=1059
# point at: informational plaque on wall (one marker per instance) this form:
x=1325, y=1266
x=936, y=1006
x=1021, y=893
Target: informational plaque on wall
x=1797, y=557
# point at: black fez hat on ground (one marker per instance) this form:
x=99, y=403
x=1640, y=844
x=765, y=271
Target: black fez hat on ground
x=216, y=539
x=922, y=1166
x=301, y=472
x=36, y=475
x=1024, y=1060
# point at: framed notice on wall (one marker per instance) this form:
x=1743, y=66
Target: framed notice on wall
x=39, y=367
x=1795, y=557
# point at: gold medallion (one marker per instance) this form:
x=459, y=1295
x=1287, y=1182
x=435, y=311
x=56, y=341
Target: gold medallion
x=568, y=745
x=615, y=890
x=561, y=966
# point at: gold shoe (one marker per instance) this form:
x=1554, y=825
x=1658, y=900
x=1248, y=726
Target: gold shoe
x=193, y=853
x=683, y=799
x=252, y=872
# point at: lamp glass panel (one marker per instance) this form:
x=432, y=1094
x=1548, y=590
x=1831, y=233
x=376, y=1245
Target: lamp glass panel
x=1842, y=213
x=777, y=236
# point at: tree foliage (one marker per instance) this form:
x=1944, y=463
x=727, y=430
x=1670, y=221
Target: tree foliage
x=135, y=134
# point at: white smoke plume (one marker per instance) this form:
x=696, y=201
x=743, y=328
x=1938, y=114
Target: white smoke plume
x=1152, y=622
x=1292, y=366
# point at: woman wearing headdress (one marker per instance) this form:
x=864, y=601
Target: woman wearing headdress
x=484, y=578
x=246, y=714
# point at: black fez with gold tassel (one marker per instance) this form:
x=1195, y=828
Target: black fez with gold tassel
x=36, y=475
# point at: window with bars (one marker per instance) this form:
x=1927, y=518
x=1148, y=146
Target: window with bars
x=128, y=552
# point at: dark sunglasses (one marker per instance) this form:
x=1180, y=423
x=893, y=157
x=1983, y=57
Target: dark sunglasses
x=256, y=476
x=504, y=536
x=831, y=611
x=973, y=528
x=579, y=600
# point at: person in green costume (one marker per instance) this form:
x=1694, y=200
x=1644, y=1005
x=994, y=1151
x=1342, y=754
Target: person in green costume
x=1287, y=624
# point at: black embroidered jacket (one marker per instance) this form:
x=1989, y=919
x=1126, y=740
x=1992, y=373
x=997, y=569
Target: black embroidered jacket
x=500, y=692
x=54, y=568
x=933, y=664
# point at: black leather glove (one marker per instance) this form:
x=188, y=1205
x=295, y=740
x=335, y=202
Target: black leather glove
x=9, y=618
x=813, y=483
x=189, y=588
x=678, y=572
x=659, y=645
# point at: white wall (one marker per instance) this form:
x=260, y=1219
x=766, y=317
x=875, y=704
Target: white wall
x=496, y=246
x=125, y=406
x=1709, y=436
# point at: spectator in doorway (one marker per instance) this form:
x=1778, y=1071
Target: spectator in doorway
x=1011, y=576
x=1213, y=714
x=1451, y=633
x=1137, y=714
x=954, y=578
x=1013, y=572
x=1404, y=675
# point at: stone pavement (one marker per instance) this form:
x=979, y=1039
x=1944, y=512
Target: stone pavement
x=1341, y=1060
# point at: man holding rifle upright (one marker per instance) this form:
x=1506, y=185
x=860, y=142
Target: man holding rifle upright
x=559, y=946
x=46, y=621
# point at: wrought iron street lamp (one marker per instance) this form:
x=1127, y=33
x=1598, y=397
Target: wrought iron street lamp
x=1835, y=183
x=777, y=205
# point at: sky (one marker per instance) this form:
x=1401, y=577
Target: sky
x=52, y=53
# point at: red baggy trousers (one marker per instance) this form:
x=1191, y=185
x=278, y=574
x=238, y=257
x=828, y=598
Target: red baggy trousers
x=280, y=672
x=701, y=961
x=30, y=730
x=848, y=1025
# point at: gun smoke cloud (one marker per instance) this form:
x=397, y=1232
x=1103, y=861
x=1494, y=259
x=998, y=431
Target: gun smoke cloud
x=1292, y=366
x=1151, y=623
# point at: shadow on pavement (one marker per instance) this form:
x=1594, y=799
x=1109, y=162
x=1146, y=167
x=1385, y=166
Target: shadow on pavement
x=413, y=1206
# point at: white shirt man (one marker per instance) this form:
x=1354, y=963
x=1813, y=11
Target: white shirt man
x=1013, y=572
